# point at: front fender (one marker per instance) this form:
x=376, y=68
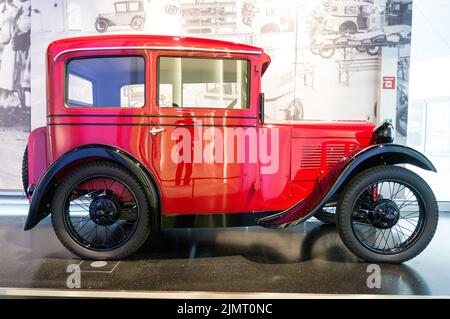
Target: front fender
x=42, y=196
x=333, y=182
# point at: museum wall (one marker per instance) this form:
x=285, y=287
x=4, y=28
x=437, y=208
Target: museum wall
x=429, y=107
x=326, y=55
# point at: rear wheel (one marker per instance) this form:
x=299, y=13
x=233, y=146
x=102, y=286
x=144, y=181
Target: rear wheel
x=25, y=170
x=101, y=211
x=137, y=23
x=387, y=214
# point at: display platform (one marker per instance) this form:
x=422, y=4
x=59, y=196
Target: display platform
x=306, y=259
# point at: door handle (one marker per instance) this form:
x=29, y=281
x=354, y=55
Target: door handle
x=155, y=130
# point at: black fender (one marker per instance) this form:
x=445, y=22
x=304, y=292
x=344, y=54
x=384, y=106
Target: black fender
x=109, y=22
x=332, y=183
x=42, y=195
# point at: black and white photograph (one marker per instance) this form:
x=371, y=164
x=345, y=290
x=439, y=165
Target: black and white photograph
x=15, y=88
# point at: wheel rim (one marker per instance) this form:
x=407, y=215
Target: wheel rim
x=385, y=218
x=101, y=213
x=137, y=24
x=101, y=26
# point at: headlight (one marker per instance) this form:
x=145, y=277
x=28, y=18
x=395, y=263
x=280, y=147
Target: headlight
x=383, y=133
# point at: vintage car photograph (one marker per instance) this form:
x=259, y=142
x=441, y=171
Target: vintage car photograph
x=127, y=13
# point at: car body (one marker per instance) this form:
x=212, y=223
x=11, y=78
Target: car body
x=160, y=116
x=129, y=12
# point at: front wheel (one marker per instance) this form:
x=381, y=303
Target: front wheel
x=101, y=25
x=100, y=211
x=387, y=214
x=327, y=49
x=137, y=23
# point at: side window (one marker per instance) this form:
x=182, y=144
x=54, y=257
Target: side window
x=106, y=82
x=203, y=83
x=121, y=7
x=134, y=6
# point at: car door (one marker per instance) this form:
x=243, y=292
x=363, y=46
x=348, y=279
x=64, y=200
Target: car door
x=203, y=123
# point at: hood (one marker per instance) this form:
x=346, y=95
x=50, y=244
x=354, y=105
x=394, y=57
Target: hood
x=332, y=129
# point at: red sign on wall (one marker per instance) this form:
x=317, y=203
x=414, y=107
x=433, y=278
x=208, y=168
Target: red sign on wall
x=388, y=82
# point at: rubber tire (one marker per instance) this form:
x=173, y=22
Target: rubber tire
x=141, y=24
x=325, y=217
x=25, y=170
x=327, y=52
x=108, y=169
x=371, y=176
x=98, y=28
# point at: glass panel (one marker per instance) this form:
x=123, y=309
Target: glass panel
x=133, y=6
x=80, y=90
x=121, y=7
x=106, y=82
x=203, y=83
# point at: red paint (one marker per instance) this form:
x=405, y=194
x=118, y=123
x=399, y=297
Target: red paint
x=308, y=149
x=37, y=154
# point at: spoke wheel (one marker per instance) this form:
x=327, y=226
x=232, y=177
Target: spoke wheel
x=101, y=25
x=137, y=23
x=387, y=214
x=101, y=213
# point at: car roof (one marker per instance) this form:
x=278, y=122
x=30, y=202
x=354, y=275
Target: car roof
x=157, y=42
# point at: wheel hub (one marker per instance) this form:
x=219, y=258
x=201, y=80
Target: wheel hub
x=103, y=211
x=386, y=214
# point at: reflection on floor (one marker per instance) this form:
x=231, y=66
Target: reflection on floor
x=308, y=258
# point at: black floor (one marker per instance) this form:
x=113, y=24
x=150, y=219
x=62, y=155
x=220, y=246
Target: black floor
x=308, y=258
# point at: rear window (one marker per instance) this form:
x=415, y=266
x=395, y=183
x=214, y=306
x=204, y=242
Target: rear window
x=106, y=82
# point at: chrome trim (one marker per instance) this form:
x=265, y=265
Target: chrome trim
x=177, y=48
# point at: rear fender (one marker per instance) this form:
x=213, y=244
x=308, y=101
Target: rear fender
x=332, y=183
x=37, y=155
x=42, y=196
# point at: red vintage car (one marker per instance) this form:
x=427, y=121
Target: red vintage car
x=151, y=132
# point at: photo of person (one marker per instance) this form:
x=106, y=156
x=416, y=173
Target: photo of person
x=15, y=87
